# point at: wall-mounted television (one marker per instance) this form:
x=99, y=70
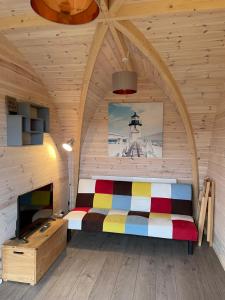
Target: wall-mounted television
x=33, y=210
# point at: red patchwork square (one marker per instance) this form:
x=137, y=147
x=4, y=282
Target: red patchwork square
x=184, y=230
x=81, y=209
x=104, y=187
x=161, y=205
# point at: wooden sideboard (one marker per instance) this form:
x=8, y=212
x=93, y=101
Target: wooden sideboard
x=28, y=262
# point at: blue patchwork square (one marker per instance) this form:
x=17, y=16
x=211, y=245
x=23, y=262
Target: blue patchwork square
x=121, y=202
x=181, y=191
x=136, y=225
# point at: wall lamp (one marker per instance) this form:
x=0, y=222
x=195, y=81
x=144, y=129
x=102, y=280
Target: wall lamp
x=68, y=146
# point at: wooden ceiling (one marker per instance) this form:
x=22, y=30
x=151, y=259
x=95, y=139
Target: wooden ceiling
x=189, y=37
x=191, y=43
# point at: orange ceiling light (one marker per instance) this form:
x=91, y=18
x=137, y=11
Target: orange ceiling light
x=71, y=12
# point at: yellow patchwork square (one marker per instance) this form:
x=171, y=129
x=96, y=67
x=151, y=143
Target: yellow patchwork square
x=159, y=216
x=114, y=223
x=141, y=189
x=102, y=201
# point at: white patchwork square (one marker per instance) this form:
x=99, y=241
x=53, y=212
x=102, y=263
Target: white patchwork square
x=181, y=217
x=118, y=212
x=161, y=190
x=75, y=219
x=86, y=186
x=140, y=203
x=160, y=227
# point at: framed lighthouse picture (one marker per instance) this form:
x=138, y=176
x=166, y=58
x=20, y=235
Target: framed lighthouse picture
x=135, y=130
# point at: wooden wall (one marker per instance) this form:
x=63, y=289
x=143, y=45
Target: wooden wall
x=58, y=54
x=217, y=172
x=192, y=45
x=176, y=155
x=25, y=168
x=100, y=84
x=201, y=107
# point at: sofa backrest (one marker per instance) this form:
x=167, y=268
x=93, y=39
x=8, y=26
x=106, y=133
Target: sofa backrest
x=173, y=198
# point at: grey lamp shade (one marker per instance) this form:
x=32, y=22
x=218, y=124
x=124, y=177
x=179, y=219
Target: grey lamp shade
x=124, y=82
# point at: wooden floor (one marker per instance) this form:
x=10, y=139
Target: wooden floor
x=104, y=266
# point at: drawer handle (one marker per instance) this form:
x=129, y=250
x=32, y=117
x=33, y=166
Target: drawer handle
x=18, y=252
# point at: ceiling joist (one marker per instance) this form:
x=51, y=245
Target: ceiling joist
x=119, y=10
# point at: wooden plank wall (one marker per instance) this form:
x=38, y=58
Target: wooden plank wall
x=25, y=168
x=202, y=109
x=176, y=156
x=58, y=55
x=192, y=45
x=217, y=172
x=107, y=62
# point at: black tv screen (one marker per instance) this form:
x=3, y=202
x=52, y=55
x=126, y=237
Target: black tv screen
x=34, y=209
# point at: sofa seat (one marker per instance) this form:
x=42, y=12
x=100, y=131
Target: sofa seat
x=162, y=225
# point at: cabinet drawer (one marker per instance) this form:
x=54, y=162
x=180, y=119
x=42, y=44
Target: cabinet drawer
x=18, y=264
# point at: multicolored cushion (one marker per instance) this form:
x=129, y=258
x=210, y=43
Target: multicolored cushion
x=169, y=226
x=138, y=196
x=140, y=208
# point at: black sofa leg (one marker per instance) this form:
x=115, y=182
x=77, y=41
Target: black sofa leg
x=190, y=248
x=69, y=235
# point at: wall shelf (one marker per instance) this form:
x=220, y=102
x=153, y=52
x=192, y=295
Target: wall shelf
x=26, y=125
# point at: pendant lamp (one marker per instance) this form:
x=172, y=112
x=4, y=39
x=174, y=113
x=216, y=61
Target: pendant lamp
x=71, y=12
x=124, y=82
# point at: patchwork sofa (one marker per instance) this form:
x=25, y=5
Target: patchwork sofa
x=138, y=208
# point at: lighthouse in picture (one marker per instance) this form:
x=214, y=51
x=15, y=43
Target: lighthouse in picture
x=135, y=140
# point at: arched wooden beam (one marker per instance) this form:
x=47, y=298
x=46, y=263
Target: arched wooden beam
x=115, y=6
x=171, y=89
x=93, y=53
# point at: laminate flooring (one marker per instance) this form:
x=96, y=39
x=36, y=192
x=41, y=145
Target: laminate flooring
x=101, y=266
